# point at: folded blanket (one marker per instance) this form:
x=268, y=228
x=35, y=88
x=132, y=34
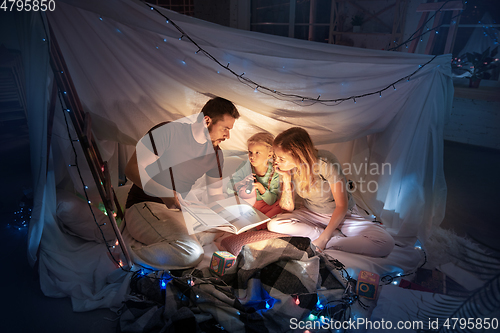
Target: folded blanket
x=272, y=282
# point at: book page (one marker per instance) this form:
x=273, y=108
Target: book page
x=199, y=218
x=231, y=215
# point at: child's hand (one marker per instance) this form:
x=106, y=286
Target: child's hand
x=244, y=182
x=260, y=187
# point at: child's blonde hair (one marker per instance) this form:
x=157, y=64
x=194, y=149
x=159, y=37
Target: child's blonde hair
x=263, y=138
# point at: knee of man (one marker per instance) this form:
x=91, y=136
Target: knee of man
x=189, y=253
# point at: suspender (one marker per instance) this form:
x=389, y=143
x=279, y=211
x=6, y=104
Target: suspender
x=150, y=132
x=218, y=162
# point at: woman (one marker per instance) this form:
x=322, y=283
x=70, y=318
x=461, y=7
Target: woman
x=326, y=216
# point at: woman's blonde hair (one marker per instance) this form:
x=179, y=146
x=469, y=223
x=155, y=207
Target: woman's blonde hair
x=297, y=142
x=263, y=138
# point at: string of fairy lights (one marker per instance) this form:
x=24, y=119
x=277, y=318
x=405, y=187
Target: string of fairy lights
x=428, y=30
x=291, y=97
x=329, y=309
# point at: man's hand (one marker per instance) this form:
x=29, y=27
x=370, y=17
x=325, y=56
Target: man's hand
x=172, y=203
x=175, y=202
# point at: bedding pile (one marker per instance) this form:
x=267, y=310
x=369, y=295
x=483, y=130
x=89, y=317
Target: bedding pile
x=273, y=284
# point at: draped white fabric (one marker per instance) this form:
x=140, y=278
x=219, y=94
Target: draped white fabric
x=132, y=71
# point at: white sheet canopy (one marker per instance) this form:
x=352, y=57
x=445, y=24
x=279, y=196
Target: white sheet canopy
x=132, y=71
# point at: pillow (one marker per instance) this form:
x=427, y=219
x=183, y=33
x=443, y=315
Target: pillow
x=234, y=243
x=75, y=218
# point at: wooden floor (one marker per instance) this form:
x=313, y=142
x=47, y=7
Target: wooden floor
x=473, y=208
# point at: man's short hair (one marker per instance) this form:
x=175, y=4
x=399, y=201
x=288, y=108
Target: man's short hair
x=216, y=108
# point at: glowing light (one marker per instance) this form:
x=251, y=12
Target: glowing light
x=312, y=317
x=297, y=300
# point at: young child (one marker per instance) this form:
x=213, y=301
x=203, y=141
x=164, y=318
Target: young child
x=261, y=181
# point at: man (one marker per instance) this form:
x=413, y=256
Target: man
x=167, y=162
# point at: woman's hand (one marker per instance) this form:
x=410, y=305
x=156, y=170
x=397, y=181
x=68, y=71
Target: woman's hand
x=285, y=175
x=320, y=243
x=287, y=194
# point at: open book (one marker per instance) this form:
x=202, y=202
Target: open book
x=230, y=215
